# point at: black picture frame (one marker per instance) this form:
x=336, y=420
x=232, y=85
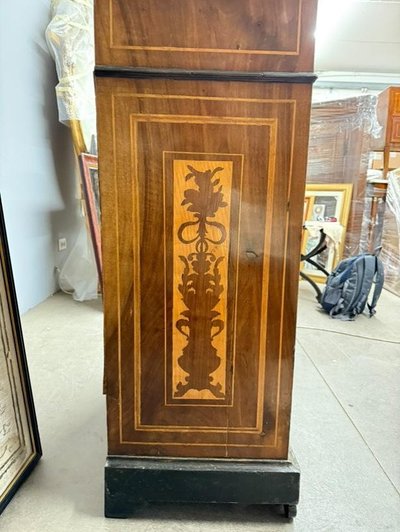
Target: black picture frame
x=9, y=308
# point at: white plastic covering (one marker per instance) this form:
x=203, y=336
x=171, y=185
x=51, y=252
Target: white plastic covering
x=340, y=141
x=78, y=276
x=390, y=254
x=70, y=38
x=334, y=232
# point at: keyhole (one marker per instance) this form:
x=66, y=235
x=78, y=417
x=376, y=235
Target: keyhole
x=251, y=254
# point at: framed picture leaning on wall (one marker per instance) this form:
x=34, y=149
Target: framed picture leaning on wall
x=326, y=207
x=20, y=447
x=91, y=188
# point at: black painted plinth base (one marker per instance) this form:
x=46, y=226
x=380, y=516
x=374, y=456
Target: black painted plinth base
x=132, y=481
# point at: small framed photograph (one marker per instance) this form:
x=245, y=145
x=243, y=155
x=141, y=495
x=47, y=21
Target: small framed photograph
x=328, y=208
x=319, y=212
x=91, y=188
x=329, y=203
x=20, y=447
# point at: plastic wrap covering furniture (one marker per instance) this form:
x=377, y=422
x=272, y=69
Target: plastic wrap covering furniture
x=78, y=276
x=390, y=254
x=375, y=205
x=333, y=231
x=340, y=137
x=71, y=41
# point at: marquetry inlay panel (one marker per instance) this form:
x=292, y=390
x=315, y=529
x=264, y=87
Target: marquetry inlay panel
x=202, y=200
x=200, y=264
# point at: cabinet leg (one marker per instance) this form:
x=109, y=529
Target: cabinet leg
x=290, y=510
x=116, y=509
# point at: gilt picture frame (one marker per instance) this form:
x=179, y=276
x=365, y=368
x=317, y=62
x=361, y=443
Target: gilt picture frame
x=91, y=189
x=326, y=204
x=306, y=210
x=20, y=448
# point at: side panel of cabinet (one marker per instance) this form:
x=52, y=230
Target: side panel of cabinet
x=202, y=195
x=251, y=35
x=394, y=117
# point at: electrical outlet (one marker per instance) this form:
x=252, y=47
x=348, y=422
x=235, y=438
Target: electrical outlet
x=62, y=244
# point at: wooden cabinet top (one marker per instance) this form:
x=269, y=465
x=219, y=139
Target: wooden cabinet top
x=388, y=113
x=230, y=35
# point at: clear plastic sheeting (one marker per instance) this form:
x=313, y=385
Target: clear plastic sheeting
x=70, y=38
x=333, y=231
x=341, y=133
x=374, y=210
x=390, y=253
x=78, y=276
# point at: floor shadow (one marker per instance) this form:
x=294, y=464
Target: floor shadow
x=94, y=304
x=210, y=513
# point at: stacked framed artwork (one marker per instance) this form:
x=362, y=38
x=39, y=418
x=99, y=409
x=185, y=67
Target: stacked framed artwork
x=325, y=207
x=20, y=447
x=203, y=113
x=91, y=189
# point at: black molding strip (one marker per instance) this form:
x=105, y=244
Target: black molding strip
x=198, y=480
x=203, y=75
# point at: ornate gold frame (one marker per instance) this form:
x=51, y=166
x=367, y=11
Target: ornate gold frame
x=314, y=190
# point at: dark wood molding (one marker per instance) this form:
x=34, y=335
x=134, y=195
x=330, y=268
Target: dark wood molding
x=102, y=71
x=207, y=481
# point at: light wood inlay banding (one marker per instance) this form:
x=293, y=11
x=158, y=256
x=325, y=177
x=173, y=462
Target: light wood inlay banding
x=251, y=134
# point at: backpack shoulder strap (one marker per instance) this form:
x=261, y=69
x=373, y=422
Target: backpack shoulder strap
x=379, y=280
x=353, y=286
x=357, y=289
x=367, y=282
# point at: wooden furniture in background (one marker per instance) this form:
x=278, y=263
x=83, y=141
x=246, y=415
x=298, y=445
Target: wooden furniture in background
x=390, y=253
x=375, y=211
x=388, y=111
x=202, y=184
x=340, y=140
x=328, y=208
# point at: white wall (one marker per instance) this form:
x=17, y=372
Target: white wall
x=358, y=36
x=37, y=181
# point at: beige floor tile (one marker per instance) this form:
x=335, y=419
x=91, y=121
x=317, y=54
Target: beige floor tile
x=342, y=457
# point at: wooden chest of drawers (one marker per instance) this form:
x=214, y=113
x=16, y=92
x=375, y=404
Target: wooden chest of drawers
x=388, y=112
x=203, y=122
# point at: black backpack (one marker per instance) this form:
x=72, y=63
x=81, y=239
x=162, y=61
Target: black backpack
x=349, y=285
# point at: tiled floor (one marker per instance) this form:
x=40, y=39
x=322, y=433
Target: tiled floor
x=345, y=429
